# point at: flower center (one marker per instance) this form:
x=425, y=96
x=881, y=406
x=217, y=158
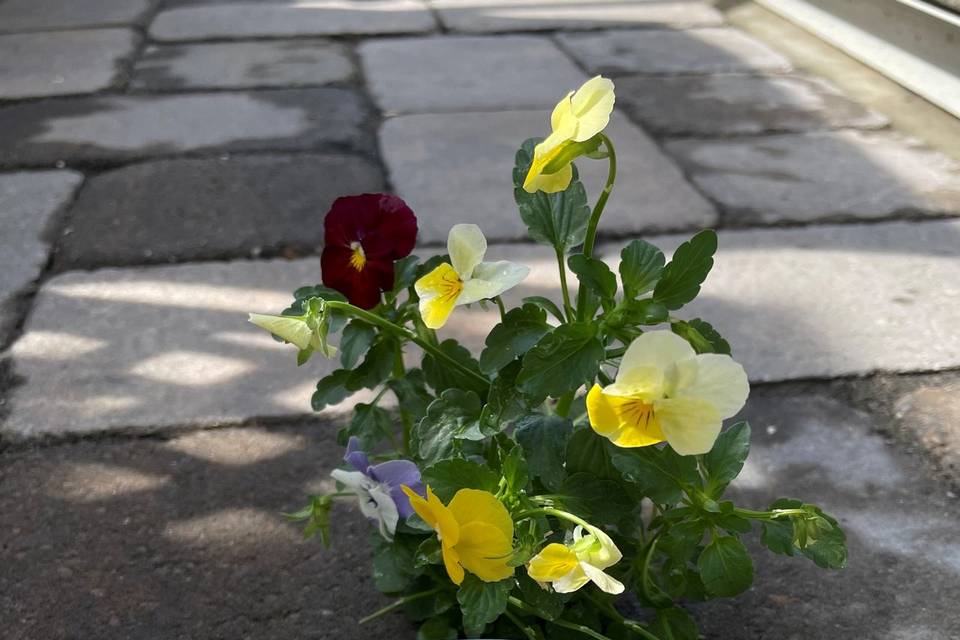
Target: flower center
x=358, y=259
x=450, y=286
x=639, y=413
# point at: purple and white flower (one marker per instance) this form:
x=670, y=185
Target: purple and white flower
x=378, y=487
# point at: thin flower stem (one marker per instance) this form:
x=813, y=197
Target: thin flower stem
x=523, y=606
x=405, y=333
x=768, y=515
x=549, y=511
x=399, y=372
x=397, y=604
x=562, y=266
x=503, y=311
x=591, y=237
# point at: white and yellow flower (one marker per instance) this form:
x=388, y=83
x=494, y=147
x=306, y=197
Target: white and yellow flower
x=569, y=567
x=466, y=278
x=297, y=330
x=665, y=391
x=578, y=117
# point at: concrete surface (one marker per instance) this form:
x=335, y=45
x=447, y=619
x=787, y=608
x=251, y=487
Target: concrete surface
x=62, y=63
x=242, y=65
x=42, y=15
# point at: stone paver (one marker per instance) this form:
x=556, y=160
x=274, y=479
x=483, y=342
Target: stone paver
x=112, y=128
x=239, y=65
x=459, y=73
x=532, y=15
x=740, y=104
x=830, y=301
x=821, y=176
x=156, y=539
x=930, y=414
x=901, y=531
x=709, y=50
x=317, y=17
x=28, y=202
x=209, y=208
x=62, y=63
x=41, y=15
x=456, y=168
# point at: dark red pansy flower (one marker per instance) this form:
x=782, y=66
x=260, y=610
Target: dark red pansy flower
x=363, y=235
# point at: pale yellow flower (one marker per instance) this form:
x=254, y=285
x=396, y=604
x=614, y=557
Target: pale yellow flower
x=579, y=116
x=665, y=391
x=467, y=278
x=569, y=567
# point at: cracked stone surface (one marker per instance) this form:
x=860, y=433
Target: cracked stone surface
x=240, y=65
x=532, y=15
x=821, y=176
x=41, y=15
x=439, y=163
x=461, y=73
x=28, y=203
x=208, y=208
x=314, y=18
x=62, y=63
x=730, y=104
x=115, y=128
x=709, y=50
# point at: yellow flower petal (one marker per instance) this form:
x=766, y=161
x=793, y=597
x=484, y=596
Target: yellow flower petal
x=473, y=505
x=549, y=183
x=622, y=420
x=438, y=291
x=435, y=514
x=690, y=425
x=451, y=561
x=643, y=381
x=291, y=329
x=572, y=581
x=552, y=563
x=485, y=550
x=718, y=379
x=592, y=105
x=466, y=246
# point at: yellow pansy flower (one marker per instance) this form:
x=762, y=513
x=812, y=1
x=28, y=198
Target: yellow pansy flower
x=466, y=278
x=665, y=391
x=581, y=115
x=569, y=567
x=475, y=532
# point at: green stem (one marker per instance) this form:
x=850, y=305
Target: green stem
x=563, y=404
x=398, y=603
x=503, y=311
x=557, y=513
x=518, y=623
x=523, y=606
x=403, y=332
x=399, y=371
x=768, y=515
x=562, y=265
x=591, y=237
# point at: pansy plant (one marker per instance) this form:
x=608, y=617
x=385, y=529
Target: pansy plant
x=579, y=456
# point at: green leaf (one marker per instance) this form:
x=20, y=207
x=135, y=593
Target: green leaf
x=588, y=452
x=701, y=336
x=829, y=551
x=681, y=278
x=555, y=219
x=376, y=367
x=641, y=264
x=436, y=629
x=446, y=477
x=482, y=602
x=660, y=473
x=725, y=567
x=562, y=360
x=370, y=423
x=549, y=603
x=450, y=417
x=357, y=338
x=726, y=459
x=429, y=552
x=505, y=403
x=331, y=390
x=547, y=305
x=392, y=565
x=544, y=441
x=824, y=542
x=595, y=275
x=675, y=624
x=404, y=273
x=515, y=471
x=441, y=376
x=598, y=500
x=632, y=313
x=520, y=329
x=411, y=393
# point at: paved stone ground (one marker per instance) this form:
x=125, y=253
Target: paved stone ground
x=165, y=165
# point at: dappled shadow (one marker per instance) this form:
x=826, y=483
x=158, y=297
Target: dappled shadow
x=181, y=538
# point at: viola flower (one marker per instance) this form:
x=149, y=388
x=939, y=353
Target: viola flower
x=363, y=237
x=665, y=391
x=468, y=279
x=475, y=533
x=569, y=567
x=308, y=331
x=579, y=116
x=378, y=487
